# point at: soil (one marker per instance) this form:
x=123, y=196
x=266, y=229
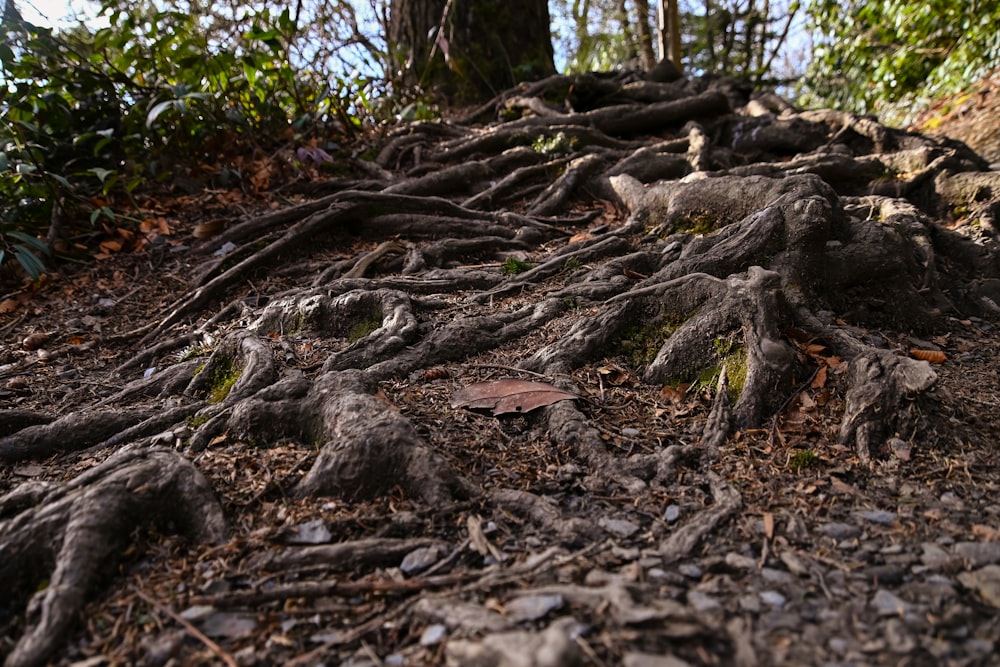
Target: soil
x=281, y=470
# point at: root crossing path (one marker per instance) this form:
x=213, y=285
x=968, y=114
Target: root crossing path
x=737, y=317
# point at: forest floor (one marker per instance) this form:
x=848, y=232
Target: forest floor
x=815, y=556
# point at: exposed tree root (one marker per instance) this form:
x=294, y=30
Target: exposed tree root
x=71, y=534
x=818, y=223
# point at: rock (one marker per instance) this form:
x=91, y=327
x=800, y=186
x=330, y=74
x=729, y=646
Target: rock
x=419, y=560
x=311, y=532
x=878, y=516
x=740, y=562
x=934, y=557
x=978, y=553
x=690, y=570
x=672, y=513
x=839, y=531
x=618, y=527
x=652, y=660
x=553, y=647
x=887, y=604
x=532, y=607
x=433, y=634
x=773, y=598
x=703, y=603
x=898, y=637
x=985, y=582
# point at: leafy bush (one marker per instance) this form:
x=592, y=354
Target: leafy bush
x=888, y=56
x=90, y=117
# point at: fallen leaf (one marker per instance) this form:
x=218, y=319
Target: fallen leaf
x=819, y=381
x=9, y=305
x=768, y=525
x=509, y=395
x=674, y=394
x=988, y=533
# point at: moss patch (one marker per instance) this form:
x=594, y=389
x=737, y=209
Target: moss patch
x=223, y=378
x=701, y=224
x=363, y=326
x=640, y=343
x=513, y=266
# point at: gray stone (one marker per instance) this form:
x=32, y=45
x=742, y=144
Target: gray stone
x=839, y=531
x=888, y=604
x=618, y=527
x=978, y=554
x=652, y=660
x=773, y=598
x=878, y=516
x=532, y=607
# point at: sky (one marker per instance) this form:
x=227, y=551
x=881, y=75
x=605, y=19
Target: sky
x=48, y=12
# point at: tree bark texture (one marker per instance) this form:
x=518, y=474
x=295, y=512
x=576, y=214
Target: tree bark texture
x=469, y=50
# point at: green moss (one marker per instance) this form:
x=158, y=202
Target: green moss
x=223, y=378
x=733, y=357
x=364, y=326
x=803, y=458
x=572, y=264
x=702, y=224
x=640, y=343
x=513, y=266
x=197, y=420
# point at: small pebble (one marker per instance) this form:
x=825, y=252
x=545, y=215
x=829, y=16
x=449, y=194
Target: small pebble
x=839, y=531
x=419, y=560
x=433, y=634
x=773, y=598
x=703, y=603
x=672, y=513
x=879, y=516
x=888, y=604
x=690, y=570
x=618, y=527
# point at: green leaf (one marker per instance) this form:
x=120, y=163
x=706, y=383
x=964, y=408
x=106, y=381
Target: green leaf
x=31, y=240
x=27, y=259
x=102, y=174
x=155, y=112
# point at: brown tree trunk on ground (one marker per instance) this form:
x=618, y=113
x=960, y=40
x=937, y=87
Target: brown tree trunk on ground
x=468, y=50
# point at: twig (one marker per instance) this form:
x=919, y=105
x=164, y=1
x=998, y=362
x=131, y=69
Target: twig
x=195, y=632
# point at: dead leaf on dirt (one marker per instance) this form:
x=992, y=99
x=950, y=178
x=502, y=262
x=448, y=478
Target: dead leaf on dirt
x=509, y=395
x=9, y=305
x=987, y=533
x=819, y=381
x=674, y=394
x=768, y=525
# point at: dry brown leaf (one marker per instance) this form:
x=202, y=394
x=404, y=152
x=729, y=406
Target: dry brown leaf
x=932, y=356
x=987, y=533
x=9, y=305
x=209, y=228
x=768, y=525
x=819, y=381
x=674, y=394
x=509, y=395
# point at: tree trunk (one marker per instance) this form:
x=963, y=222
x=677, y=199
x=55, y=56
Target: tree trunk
x=643, y=32
x=468, y=50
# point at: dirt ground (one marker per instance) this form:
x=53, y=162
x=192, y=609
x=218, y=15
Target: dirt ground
x=781, y=548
